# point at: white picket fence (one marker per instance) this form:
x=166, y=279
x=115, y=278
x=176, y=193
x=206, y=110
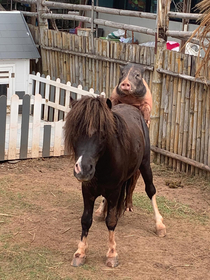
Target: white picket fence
x=46, y=99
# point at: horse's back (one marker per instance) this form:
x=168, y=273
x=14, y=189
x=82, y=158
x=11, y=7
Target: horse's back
x=138, y=130
x=133, y=118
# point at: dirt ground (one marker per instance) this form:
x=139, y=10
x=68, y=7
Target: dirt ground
x=40, y=209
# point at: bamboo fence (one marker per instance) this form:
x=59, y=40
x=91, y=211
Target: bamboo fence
x=70, y=58
x=184, y=113
x=184, y=127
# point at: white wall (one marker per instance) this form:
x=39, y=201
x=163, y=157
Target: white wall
x=21, y=68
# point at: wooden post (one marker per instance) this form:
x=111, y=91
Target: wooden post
x=97, y=18
x=92, y=28
x=43, y=25
x=163, y=6
x=185, y=22
x=33, y=10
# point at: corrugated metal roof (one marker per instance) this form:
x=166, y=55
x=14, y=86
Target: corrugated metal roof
x=16, y=40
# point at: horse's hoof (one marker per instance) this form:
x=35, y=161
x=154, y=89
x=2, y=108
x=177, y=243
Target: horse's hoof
x=129, y=209
x=161, y=230
x=112, y=262
x=77, y=261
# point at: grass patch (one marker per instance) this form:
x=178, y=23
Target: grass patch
x=11, y=201
x=169, y=208
x=19, y=263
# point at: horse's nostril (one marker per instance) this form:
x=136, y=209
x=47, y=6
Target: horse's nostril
x=77, y=168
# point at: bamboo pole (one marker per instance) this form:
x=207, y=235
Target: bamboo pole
x=160, y=133
x=87, y=62
x=29, y=14
x=110, y=10
x=89, y=55
x=174, y=107
x=51, y=54
x=92, y=27
x=187, y=112
x=100, y=66
x=182, y=112
x=68, y=59
x=76, y=60
x=104, y=53
x=198, y=156
x=156, y=90
x=80, y=60
x=195, y=121
x=165, y=105
x=99, y=9
x=90, y=65
x=60, y=55
x=26, y=1
x=63, y=62
x=203, y=131
x=83, y=61
x=184, y=15
x=183, y=76
x=98, y=41
x=182, y=34
x=103, y=22
x=176, y=164
x=181, y=158
x=107, y=90
x=55, y=66
x=192, y=106
x=169, y=121
x=43, y=26
x=207, y=126
x=112, y=66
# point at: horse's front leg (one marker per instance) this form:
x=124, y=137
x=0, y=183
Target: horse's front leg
x=111, y=222
x=112, y=256
x=86, y=221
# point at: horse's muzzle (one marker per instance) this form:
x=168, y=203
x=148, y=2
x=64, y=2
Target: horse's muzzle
x=84, y=173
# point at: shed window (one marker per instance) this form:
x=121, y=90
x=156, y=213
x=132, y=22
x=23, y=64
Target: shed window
x=3, y=89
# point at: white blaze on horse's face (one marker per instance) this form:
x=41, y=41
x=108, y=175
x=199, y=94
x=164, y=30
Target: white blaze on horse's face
x=78, y=165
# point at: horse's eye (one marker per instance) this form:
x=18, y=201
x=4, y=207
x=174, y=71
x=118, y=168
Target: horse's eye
x=137, y=75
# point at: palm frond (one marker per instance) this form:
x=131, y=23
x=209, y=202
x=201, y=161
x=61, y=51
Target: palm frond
x=201, y=33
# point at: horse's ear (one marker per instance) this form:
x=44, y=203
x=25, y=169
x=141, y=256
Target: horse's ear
x=109, y=103
x=72, y=102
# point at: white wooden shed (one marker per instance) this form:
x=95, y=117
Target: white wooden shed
x=16, y=49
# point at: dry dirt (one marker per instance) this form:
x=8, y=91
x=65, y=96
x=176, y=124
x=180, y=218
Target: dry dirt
x=41, y=205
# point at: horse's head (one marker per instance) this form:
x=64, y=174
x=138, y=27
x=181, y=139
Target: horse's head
x=89, y=127
x=88, y=150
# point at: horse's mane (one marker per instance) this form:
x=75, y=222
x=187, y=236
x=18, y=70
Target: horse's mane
x=92, y=115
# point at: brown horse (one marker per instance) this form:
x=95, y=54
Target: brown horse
x=108, y=146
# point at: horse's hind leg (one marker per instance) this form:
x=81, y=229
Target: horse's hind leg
x=151, y=192
x=101, y=211
x=129, y=191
